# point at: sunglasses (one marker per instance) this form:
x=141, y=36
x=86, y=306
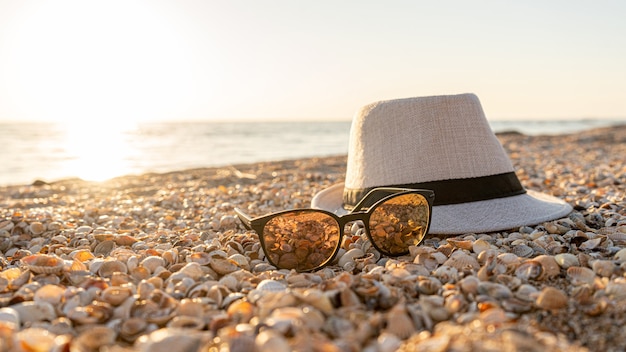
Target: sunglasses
x=309, y=239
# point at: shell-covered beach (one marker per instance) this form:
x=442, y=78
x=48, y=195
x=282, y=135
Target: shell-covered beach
x=160, y=262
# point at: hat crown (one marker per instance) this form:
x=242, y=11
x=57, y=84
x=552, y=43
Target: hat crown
x=423, y=139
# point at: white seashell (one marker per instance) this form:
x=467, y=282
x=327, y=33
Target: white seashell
x=551, y=298
x=269, y=340
x=603, y=268
x=52, y=294
x=152, y=263
x=480, y=245
x=35, y=339
x=350, y=256
x=271, y=286
x=37, y=228
x=620, y=256
x=10, y=316
x=579, y=275
x=192, y=270
x=566, y=260
x=462, y=261
x=35, y=311
x=43, y=264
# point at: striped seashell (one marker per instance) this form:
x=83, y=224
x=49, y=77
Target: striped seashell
x=43, y=264
x=580, y=275
x=551, y=298
x=271, y=286
x=522, y=251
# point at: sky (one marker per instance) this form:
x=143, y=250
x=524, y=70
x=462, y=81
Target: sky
x=149, y=60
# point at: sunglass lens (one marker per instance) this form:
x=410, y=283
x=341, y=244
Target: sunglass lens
x=399, y=222
x=302, y=240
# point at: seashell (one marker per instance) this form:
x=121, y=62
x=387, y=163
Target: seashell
x=152, y=263
x=604, y=268
x=35, y=311
x=271, y=341
x=616, y=290
x=222, y=266
x=530, y=270
x=526, y=292
x=428, y=286
x=35, y=339
x=94, y=313
x=124, y=240
x=10, y=316
x=494, y=290
x=550, y=268
x=240, y=260
x=317, y=299
x=620, y=256
x=446, y=273
x=480, y=245
x=6, y=225
x=522, y=251
x=43, y=264
x=579, y=275
x=590, y=244
x=132, y=328
x=36, y=228
x=201, y=258
x=104, y=248
x=462, y=261
x=170, y=339
x=116, y=295
x=271, y=286
x=469, y=284
x=52, y=294
x=109, y=267
x=551, y=298
x=350, y=256
x=96, y=338
x=566, y=260
x=187, y=322
x=240, y=311
x=460, y=243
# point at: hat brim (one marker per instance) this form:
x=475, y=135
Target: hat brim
x=492, y=215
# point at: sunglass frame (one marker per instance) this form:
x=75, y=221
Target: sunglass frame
x=358, y=213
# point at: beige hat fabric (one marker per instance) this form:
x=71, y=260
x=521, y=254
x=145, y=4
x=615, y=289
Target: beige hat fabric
x=443, y=143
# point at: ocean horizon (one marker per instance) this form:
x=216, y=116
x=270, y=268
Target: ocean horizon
x=50, y=152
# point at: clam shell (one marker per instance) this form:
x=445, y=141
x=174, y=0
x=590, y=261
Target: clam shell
x=350, y=256
x=523, y=251
x=52, y=294
x=271, y=286
x=152, y=263
x=36, y=228
x=109, y=267
x=566, y=260
x=222, y=266
x=551, y=298
x=43, y=264
x=35, y=311
x=579, y=275
x=462, y=261
x=603, y=268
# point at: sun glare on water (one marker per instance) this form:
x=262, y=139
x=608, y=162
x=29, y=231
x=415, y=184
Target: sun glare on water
x=100, y=151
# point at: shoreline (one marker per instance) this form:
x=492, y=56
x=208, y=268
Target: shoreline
x=182, y=216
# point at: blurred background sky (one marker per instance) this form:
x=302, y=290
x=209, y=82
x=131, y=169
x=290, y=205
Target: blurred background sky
x=157, y=60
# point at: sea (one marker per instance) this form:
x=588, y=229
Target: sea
x=49, y=152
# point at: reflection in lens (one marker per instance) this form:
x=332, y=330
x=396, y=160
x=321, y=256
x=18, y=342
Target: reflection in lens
x=301, y=240
x=399, y=222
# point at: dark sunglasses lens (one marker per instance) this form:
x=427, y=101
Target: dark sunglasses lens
x=399, y=222
x=302, y=240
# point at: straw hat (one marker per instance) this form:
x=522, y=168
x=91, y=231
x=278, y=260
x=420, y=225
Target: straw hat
x=443, y=143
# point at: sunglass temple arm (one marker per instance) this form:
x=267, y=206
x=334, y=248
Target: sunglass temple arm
x=246, y=220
